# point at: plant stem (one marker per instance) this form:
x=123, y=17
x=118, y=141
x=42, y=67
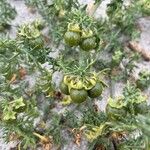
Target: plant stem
x=83, y=56
x=13, y=57
x=42, y=138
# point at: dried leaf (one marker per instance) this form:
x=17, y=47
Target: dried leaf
x=100, y=147
x=78, y=135
x=22, y=72
x=46, y=39
x=78, y=139
x=13, y=79
x=13, y=137
x=136, y=47
x=47, y=146
x=96, y=109
x=43, y=139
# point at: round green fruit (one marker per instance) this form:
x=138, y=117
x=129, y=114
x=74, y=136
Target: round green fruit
x=88, y=44
x=78, y=96
x=96, y=90
x=64, y=88
x=72, y=38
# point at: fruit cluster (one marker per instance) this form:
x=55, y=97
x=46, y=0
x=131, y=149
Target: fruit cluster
x=83, y=38
x=80, y=88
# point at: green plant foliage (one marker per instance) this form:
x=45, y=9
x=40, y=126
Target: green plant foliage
x=18, y=123
x=124, y=17
x=55, y=130
x=144, y=80
x=117, y=57
x=18, y=106
x=31, y=41
x=71, y=120
x=7, y=13
x=91, y=117
x=54, y=13
x=126, y=126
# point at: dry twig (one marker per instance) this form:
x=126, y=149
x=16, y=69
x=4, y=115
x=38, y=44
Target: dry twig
x=135, y=46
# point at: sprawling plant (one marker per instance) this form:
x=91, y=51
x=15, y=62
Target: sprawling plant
x=82, y=42
x=120, y=127
x=19, y=104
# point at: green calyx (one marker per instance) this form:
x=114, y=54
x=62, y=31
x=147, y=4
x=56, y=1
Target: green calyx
x=86, y=33
x=74, y=27
x=118, y=103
